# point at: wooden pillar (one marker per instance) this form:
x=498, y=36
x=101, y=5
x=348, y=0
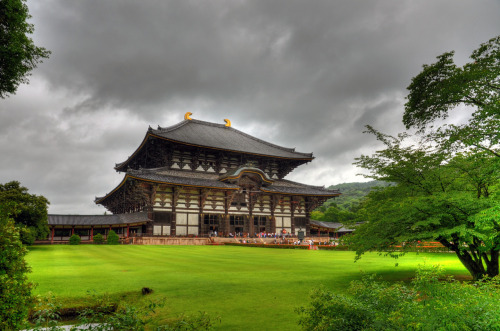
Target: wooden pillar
x=73, y=230
x=52, y=236
x=128, y=230
x=251, y=227
x=92, y=233
x=173, y=223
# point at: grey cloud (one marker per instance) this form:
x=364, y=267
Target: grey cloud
x=304, y=74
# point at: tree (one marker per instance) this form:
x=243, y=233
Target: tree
x=439, y=195
x=30, y=212
x=18, y=54
x=442, y=87
x=15, y=290
x=332, y=213
x=447, y=185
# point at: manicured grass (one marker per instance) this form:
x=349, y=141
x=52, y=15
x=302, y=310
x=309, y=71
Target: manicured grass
x=249, y=288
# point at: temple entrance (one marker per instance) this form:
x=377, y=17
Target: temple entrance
x=260, y=224
x=237, y=224
x=211, y=223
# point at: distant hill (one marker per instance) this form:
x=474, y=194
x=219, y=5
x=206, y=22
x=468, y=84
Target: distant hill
x=352, y=193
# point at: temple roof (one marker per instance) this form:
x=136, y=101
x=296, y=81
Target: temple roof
x=219, y=136
x=129, y=218
x=212, y=180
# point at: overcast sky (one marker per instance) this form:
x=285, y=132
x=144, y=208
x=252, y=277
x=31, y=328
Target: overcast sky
x=305, y=74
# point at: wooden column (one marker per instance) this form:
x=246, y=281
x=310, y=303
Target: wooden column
x=128, y=230
x=73, y=230
x=251, y=227
x=52, y=236
x=92, y=233
x=173, y=223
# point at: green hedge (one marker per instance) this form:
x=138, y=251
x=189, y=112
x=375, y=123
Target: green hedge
x=75, y=239
x=285, y=246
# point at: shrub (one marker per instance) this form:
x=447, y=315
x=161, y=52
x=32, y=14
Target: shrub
x=427, y=303
x=75, y=239
x=98, y=239
x=113, y=238
x=15, y=290
x=27, y=235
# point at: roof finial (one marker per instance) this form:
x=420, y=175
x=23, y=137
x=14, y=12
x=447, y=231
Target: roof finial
x=228, y=122
x=187, y=116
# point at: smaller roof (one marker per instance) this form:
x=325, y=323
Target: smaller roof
x=289, y=187
x=130, y=218
x=337, y=227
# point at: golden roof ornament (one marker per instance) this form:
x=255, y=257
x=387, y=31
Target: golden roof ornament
x=187, y=116
x=228, y=122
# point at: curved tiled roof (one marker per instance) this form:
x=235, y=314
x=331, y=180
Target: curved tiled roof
x=212, y=180
x=289, y=187
x=180, y=177
x=338, y=227
x=130, y=218
x=219, y=136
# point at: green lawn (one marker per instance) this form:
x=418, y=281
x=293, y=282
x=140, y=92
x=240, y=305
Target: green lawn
x=249, y=288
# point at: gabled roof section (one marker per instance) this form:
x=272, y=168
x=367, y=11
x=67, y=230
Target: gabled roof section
x=288, y=187
x=215, y=136
x=237, y=173
x=131, y=218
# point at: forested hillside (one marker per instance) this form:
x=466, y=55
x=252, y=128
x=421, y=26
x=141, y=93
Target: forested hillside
x=353, y=192
x=343, y=208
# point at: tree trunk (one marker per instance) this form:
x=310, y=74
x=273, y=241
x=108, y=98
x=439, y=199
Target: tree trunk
x=492, y=265
x=475, y=268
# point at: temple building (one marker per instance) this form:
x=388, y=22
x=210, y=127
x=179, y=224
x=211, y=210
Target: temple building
x=198, y=178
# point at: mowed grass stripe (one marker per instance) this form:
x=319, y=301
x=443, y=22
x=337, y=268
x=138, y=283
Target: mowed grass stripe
x=250, y=288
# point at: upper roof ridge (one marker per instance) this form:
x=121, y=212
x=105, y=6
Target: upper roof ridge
x=223, y=126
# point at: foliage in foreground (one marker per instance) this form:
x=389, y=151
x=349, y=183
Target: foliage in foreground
x=427, y=303
x=15, y=290
x=102, y=315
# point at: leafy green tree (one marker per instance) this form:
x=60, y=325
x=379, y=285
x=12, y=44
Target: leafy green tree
x=15, y=290
x=443, y=86
x=438, y=196
x=18, y=54
x=30, y=212
x=332, y=213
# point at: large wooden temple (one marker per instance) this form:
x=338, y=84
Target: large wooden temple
x=198, y=178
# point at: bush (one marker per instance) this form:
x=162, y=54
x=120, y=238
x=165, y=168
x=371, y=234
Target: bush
x=75, y=239
x=427, y=303
x=27, y=235
x=15, y=290
x=98, y=239
x=113, y=238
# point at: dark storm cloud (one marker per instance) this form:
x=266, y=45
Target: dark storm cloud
x=304, y=74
